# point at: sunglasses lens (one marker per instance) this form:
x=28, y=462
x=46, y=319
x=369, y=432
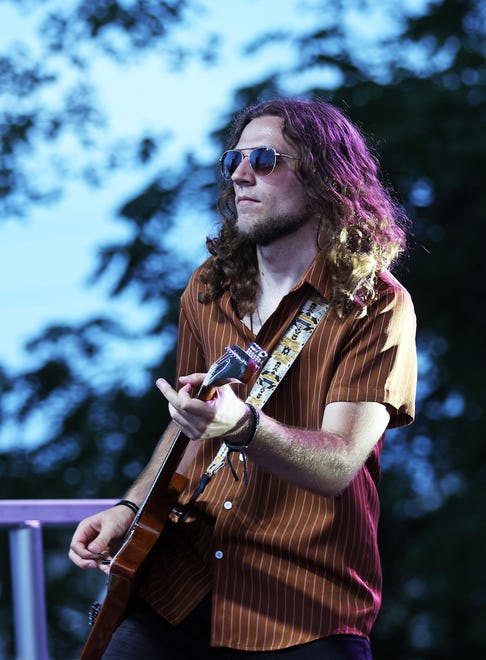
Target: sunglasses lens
x=262, y=161
x=229, y=162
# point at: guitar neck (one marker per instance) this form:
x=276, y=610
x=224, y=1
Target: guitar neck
x=173, y=445
x=127, y=565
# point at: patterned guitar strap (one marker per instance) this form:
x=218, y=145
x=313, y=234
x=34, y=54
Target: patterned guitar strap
x=290, y=345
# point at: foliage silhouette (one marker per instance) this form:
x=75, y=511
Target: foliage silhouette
x=422, y=103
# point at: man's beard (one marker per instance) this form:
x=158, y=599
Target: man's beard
x=270, y=229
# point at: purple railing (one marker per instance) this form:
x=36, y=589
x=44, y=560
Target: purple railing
x=24, y=520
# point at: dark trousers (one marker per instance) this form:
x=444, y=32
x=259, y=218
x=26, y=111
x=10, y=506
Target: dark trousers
x=143, y=635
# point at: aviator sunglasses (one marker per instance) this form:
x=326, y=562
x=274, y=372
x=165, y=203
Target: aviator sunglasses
x=262, y=161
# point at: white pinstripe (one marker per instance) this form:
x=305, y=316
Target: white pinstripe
x=296, y=566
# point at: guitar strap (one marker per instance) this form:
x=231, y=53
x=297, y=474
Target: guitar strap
x=290, y=345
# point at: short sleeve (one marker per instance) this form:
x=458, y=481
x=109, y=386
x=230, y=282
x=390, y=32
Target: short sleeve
x=378, y=361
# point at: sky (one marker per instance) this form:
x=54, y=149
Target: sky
x=46, y=258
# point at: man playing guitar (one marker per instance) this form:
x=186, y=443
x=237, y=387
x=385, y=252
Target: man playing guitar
x=283, y=559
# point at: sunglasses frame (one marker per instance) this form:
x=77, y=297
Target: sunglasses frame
x=252, y=150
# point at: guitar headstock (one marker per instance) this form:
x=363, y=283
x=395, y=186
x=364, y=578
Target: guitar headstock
x=235, y=363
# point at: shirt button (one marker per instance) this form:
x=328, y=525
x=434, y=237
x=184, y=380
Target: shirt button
x=218, y=554
x=228, y=505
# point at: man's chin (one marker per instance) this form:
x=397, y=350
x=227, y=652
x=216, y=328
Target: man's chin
x=272, y=229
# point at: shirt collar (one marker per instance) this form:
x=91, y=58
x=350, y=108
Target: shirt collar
x=318, y=277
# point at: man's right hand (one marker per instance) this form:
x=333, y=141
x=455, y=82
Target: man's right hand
x=93, y=541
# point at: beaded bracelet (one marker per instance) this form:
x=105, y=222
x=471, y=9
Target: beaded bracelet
x=131, y=505
x=233, y=446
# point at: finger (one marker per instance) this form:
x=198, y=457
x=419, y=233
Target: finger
x=93, y=535
x=192, y=416
x=87, y=556
x=85, y=533
x=170, y=394
x=81, y=563
x=81, y=556
x=174, y=402
x=101, y=562
x=195, y=380
x=193, y=426
x=166, y=389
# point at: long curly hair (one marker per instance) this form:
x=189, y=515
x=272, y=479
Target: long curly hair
x=362, y=229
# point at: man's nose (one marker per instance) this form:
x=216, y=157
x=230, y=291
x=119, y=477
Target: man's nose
x=244, y=172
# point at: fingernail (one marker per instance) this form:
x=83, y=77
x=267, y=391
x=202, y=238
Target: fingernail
x=94, y=548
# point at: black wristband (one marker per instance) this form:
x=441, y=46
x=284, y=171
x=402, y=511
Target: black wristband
x=254, y=428
x=131, y=505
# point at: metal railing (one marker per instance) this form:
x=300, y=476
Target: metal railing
x=24, y=520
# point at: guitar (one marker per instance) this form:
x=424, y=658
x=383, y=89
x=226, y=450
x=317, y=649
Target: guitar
x=127, y=564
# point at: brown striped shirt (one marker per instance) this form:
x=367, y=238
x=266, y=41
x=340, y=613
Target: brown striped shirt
x=286, y=566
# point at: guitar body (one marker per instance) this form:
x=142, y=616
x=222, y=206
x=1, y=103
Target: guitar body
x=127, y=566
